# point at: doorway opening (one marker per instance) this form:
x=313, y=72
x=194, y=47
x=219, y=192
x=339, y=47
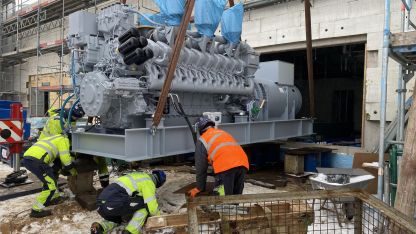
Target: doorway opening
x=338, y=80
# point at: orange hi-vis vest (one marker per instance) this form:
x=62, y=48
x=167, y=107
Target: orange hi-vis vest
x=224, y=152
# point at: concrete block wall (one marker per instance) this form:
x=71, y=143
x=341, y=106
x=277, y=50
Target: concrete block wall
x=281, y=27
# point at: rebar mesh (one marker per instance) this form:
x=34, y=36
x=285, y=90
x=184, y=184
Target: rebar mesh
x=311, y=212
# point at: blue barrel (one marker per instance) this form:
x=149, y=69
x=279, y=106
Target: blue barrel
x=311, y=162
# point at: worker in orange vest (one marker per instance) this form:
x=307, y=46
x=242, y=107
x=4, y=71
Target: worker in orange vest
x=228, y=159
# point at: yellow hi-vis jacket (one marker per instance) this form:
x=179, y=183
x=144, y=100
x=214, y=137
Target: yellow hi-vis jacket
x=53, y=127
x=143, y=184
x=48, y=149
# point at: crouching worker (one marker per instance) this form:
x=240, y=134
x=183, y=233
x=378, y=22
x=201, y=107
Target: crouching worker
x=132, y=194
x=44, y=160
x=228, y=159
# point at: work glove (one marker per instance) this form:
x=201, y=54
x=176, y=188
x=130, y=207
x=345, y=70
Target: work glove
x=73, y=172
x=193, y=192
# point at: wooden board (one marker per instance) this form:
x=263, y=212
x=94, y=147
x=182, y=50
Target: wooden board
x=403, y=39
x=359, y=159
x=278, y=216
x=209, y=187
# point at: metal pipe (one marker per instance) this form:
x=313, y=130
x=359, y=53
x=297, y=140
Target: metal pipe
x=37, y=59
x=383, y=101
x=61, y=59
x=405, y=3
x=386, y=197
x=309, y=58
x=16, y=162
x=393, y=173
x=17, y=31
x=251, y=5
x=401, y=90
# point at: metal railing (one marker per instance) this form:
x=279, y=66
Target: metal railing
x=341, y=211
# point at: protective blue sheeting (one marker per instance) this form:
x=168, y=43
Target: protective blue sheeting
x=232, y=23
x=172, y=10
x=208, y=15
x=158, y=18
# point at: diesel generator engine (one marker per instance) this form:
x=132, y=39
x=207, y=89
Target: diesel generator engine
x=119, y=66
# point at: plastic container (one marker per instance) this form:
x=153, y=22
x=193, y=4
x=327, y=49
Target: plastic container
x=311, y=162
x=357, y=182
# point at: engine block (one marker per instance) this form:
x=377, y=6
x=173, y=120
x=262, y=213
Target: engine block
x=119, y=68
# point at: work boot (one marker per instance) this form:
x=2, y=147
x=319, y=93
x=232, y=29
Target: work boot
x=56, y=201
x=96, y=228
x=40, y=213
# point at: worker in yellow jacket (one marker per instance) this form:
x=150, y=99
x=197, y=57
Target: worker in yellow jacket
x=53, y=127
x=40, y=160
x=132, y=194
x=53, y=124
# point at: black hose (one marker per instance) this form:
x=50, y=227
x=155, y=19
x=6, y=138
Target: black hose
x=179, y=108
x=188, y=122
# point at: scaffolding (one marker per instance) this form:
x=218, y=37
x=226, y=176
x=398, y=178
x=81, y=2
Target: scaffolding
x=21, y=20
x=401, y=47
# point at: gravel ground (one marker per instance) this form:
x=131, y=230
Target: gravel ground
x=69, y=217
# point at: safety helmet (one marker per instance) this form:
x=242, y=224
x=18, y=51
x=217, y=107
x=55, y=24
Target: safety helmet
x=202, y=123
x=158, y=177
x=78, y=112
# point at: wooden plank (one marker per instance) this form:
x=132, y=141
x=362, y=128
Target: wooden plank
x=406, y=187
x=179, y=220
x=268, y=197
x=278, y=215
x=260, y=183
x=394, y=215
x=403, y=39
x=209, y=187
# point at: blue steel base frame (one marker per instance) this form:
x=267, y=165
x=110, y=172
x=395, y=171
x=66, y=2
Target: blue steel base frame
x=140, y=144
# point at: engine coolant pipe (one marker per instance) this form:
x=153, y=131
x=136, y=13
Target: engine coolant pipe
x=70, y=112
x=61, y=113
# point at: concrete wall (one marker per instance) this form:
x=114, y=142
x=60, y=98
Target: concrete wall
x=281, y=27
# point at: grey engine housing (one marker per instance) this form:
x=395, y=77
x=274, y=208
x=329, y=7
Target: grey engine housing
x=211, y=76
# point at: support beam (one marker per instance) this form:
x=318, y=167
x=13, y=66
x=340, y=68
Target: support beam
x=309, y=58
x=406, y=187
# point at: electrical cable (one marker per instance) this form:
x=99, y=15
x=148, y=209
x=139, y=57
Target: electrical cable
x=61, y=113
x=179, y=109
